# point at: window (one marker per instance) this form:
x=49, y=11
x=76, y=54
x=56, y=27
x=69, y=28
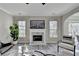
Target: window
x=53, y=28
x=74, y=28
x=21, y=25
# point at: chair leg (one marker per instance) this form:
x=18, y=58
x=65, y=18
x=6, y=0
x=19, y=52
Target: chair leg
x=74, y=50
x=57, y=48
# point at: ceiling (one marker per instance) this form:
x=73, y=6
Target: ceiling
x=37, y=9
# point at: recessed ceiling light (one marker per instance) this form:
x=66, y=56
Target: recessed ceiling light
x=43, y=3
x=27, y=3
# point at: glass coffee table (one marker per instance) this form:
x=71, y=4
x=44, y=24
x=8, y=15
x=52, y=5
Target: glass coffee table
x=24, y=51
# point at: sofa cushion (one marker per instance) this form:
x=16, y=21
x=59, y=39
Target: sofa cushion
x=68, y=41
x=6, y=44
x=66, y=46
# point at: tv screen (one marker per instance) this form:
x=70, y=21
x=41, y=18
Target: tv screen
x=37, y=24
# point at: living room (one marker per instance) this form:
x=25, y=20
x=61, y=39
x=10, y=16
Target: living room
x=42, y=28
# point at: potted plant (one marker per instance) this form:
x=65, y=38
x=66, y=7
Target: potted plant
x=14, y=32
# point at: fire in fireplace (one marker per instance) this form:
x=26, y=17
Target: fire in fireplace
x=37, y=37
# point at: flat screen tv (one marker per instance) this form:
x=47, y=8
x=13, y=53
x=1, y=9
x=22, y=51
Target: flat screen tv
x=37, y=24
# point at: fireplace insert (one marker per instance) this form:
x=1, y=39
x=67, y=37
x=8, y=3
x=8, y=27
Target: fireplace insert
x=37, y=37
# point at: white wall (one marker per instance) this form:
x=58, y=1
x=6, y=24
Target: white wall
x=46, y=18
x=5, y=22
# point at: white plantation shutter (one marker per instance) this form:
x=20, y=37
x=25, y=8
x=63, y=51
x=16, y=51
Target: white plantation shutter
x=21, y=25
x=53, y=28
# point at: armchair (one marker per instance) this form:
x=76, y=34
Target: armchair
x=66, y=43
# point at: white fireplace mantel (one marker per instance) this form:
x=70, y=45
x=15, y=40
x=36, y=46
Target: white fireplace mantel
x=38, y=32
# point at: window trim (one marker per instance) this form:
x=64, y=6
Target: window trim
x=23, y=28
x=70, y=33
x=52, y=29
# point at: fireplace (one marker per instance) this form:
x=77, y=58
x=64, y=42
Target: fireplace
x=37, y=37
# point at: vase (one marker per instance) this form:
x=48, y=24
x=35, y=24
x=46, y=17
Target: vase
x=15, y=42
